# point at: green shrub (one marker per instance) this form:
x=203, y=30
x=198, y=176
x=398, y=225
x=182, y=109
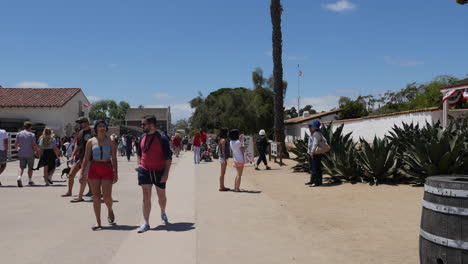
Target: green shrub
x=340, y=163
x=378, y=161
x=437, y=152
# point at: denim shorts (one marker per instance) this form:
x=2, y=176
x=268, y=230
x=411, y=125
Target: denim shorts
x=151, y=177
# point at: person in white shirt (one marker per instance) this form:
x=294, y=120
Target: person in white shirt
x=3, y=150
x=315, y=160
x=238, y=156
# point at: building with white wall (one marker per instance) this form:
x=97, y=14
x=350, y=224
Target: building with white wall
x=380, y=125
x=297, y=127
x=56, y=108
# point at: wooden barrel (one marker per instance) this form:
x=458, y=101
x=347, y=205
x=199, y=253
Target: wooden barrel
x=444, y=222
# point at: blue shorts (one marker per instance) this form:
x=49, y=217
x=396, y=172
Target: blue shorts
x=151, y=177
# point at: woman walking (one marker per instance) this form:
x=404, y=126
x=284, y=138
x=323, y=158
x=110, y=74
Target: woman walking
x=224, y=151
x=49, y=155
x=238, y=156
x=196, y=147
x=101, y=151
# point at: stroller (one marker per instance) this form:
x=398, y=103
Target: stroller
x=205, y=153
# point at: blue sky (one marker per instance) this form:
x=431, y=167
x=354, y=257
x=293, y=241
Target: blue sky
x=160, y=53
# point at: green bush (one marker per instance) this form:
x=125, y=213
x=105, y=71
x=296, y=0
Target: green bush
x=378, y=161
x=436, y=152
x=408, y=154
x=340, y=163
x=302, y=158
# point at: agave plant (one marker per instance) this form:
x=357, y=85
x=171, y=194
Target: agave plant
x=341, y=162
x=402, y=136
x=302, y=158
x=445, y=152
x=378, y=161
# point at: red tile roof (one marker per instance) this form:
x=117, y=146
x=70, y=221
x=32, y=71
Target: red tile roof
x=36, y=97
x=301, y=119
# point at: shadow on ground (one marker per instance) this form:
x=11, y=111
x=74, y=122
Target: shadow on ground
x=176, y=227
x=118, y=227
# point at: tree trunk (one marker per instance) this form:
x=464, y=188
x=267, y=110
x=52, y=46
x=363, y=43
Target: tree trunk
x=277, y=39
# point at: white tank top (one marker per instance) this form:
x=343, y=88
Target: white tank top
x=236, y=152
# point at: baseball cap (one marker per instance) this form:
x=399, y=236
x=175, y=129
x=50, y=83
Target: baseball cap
x=315, y=124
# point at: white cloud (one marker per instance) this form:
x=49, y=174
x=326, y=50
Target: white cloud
x=32, y=84
x=161, y=95
x=178, y=110
x=347, y=91
x=92, y=98
x=321, y=103
x=112, y=65
x=402, y=62
x=340, y=6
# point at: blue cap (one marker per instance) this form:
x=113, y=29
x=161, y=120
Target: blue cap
x=315, y=124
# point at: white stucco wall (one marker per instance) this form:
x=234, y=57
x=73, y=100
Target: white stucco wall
x=368, y=128
x=299, y=130
x=55, y=118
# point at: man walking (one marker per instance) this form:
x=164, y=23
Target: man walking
x=27, y=150
x=154, y=158
x=78, y=154
x=262, y=146
x=3, y=150
x=128, y=145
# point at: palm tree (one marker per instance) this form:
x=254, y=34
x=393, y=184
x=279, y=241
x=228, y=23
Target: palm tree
x=275, y=10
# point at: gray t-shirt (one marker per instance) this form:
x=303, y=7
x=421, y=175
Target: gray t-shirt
x=26, y=140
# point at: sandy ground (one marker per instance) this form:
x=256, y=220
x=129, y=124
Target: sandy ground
x=351, y=223
x=276, y=220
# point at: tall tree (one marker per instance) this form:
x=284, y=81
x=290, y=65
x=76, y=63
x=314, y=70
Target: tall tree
x=462, y=2
x=182, y=124
x=307, y=108
x=277, y=40
x=110, y=111
x=257, y=78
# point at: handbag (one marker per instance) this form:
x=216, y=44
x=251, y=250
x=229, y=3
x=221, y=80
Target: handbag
x=322, y=146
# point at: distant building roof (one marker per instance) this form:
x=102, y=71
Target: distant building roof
x=138, y=113
x=36, y=97
x=302, y=119
x=462, y=84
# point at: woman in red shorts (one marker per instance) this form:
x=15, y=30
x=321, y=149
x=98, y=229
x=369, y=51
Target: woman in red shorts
x=101, y=151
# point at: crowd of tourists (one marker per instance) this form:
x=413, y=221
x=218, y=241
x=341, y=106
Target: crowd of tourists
x=93, y=154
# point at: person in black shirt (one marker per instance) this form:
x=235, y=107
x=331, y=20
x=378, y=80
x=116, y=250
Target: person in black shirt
x=128, y=145
x=78, y=154
x=262, y=145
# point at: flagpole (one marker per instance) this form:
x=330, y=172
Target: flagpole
x=298, y=90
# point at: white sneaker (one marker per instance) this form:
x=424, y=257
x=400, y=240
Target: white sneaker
x=143, y=228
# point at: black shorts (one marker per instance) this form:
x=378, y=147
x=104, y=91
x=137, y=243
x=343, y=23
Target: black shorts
x=151, y=177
